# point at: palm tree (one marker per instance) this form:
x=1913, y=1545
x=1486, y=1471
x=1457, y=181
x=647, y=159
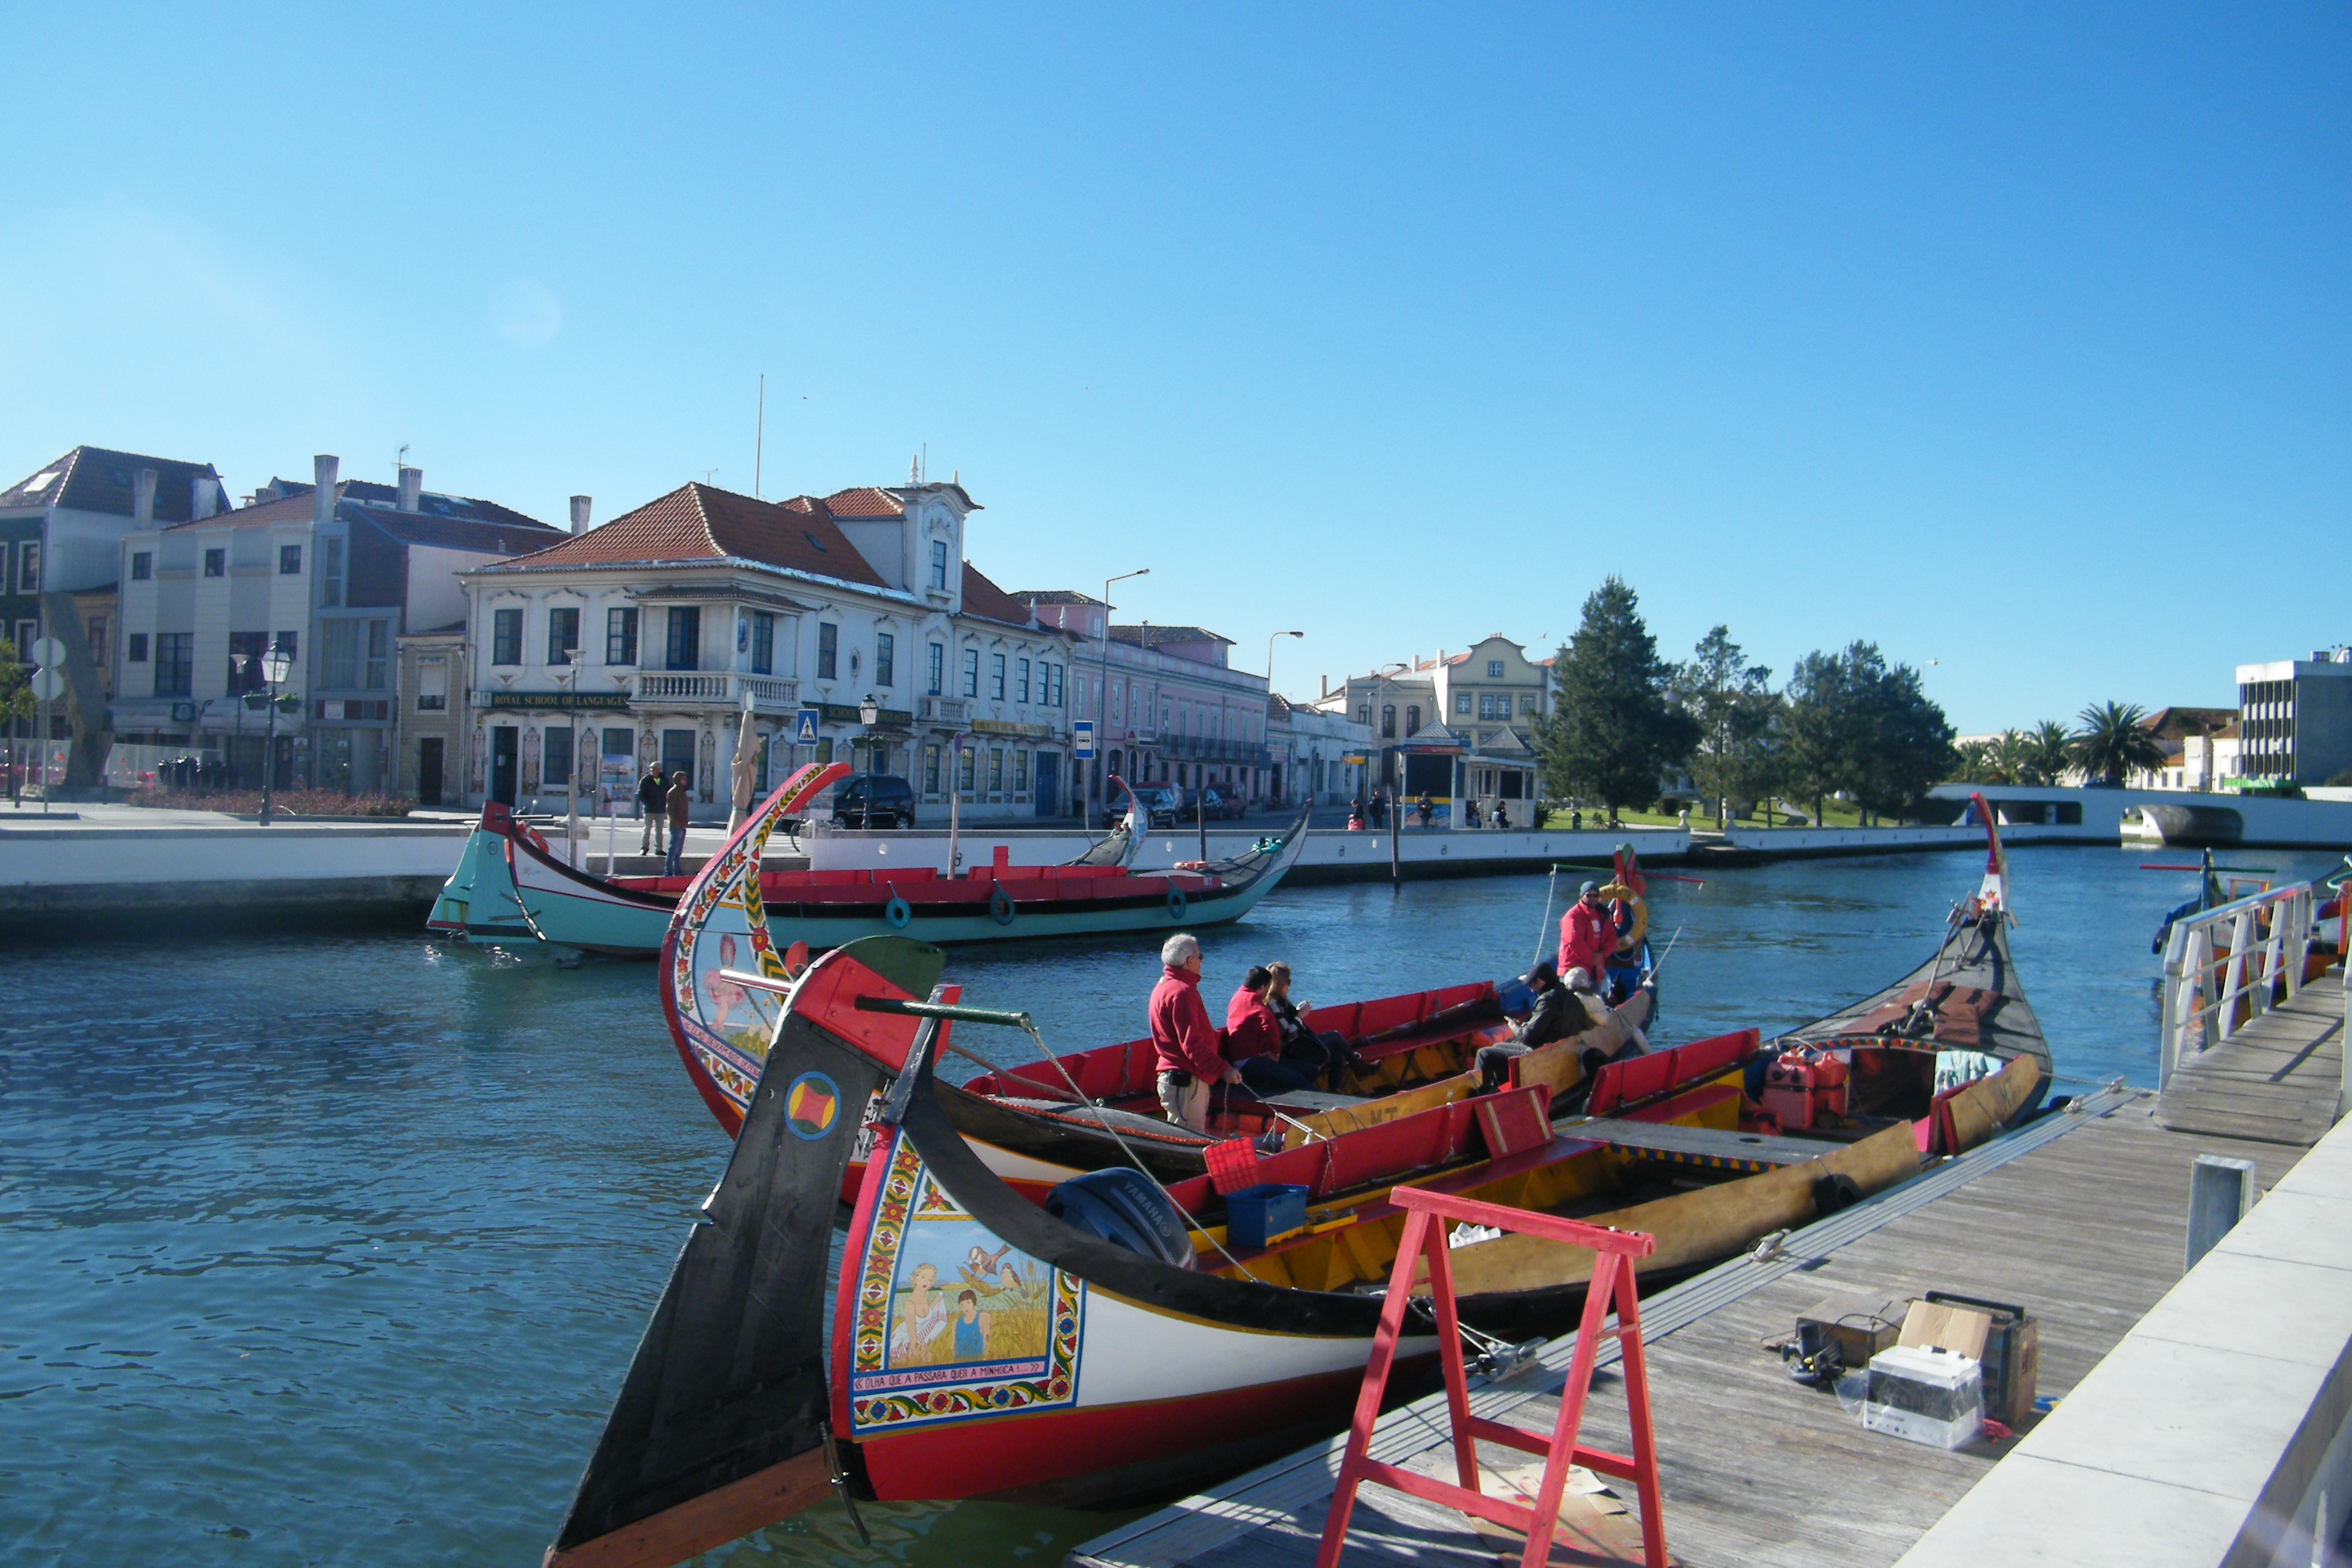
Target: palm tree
x=2010, y=758
x=2047, y=752
x=2113, y=741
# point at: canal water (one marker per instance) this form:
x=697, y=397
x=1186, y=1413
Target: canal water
x=333, y=1249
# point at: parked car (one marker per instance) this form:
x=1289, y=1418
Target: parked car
x=1162, y=805
x=875, y=800
x=1222, y=805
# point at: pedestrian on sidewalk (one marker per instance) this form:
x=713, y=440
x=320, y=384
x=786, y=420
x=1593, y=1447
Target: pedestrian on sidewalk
x=653, y=795
x=681, y=801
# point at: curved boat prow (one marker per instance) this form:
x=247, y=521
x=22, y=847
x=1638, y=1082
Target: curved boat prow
x=1993, y=894
x=722, y=1423
x=720, y=1027
x=478, y=902
x=1120, y=845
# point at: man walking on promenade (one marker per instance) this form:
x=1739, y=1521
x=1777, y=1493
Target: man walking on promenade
x=652, y=797
x=680, y=802
x=1182, y=1038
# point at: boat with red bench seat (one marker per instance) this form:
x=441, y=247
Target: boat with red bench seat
x=1130, y=1334
x=508, y=886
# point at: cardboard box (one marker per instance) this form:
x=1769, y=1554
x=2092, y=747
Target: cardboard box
x=2010, y=1350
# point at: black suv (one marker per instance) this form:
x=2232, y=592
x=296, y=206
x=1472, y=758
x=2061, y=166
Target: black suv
x=875, y=800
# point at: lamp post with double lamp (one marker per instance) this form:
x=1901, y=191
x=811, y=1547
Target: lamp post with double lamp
x=1270, y=638
x=275, y=667
x=1102, y=693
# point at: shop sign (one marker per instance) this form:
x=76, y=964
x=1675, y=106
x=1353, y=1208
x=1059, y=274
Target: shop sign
x=1026, y=731
x=575, y=701
x=846, y=714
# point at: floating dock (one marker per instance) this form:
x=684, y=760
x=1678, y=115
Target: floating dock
x=2080, y=1216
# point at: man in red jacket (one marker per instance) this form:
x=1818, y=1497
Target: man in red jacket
x=1182, y=1037
x=1587, y=935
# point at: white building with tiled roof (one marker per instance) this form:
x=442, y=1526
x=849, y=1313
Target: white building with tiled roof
x=642, y=639
x=1454, y=724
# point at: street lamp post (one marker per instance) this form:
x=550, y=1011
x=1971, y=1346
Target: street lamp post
x=1270, y=638
x=274, y=667
x=1102, y=688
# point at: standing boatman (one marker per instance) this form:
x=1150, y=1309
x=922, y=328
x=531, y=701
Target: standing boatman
x=1587, y=935
x=1182, y=1037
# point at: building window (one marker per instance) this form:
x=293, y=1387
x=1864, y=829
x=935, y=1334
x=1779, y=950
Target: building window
x=379, y=655
x=1527, y=704
x=1053, y=673
x=98, y=641
x=939, y=564
x=1388, y=722
x=432, y=685
x=285, y=643
x=1494, y=670
x=963, y=769
x=331, y=589
x=143, y=566
x=621, y=636
x=506, y=637
x=562, y=634
x=886, y=660
x=1462, y=704
x=339, y=652
x=175, y=663
x=763, y=643
x=289, y=561
x=828, y=650
x=935, y=667
x=249, y=647
x=1412, y=720
x=685, y=650
x=996, y=676
x=971, y=672
x=137, y=652
x=1021, y=680
x=1364, y=714
x=216, y=563
x=28, y=566
x=1020, y=773
x=931, y=770
x=555, y=767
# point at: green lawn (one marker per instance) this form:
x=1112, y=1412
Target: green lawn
x=1837, y=817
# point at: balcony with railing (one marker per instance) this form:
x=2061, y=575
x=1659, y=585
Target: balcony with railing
x=712, y=688
x=942, y=710
x=1202, y=749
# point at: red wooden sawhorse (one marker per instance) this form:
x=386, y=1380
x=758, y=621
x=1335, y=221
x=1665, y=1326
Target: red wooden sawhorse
x=1427, y=1223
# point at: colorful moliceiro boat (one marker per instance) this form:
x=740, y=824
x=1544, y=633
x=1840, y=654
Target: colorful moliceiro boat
x=1129, y=1334
x=508, y=887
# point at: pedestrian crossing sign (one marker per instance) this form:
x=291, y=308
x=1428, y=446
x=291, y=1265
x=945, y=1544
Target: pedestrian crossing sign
x=804, y=726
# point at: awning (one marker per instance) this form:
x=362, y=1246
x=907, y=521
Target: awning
x=231, y=715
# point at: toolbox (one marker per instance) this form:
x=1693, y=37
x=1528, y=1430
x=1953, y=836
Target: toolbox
x=1257, y=1218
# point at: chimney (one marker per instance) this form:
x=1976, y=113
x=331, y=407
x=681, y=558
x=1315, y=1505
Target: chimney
x=203, y=496
x=323, y=498
x=143, y=497
x=1326, y=681
x=580, y=514
x=412, y=485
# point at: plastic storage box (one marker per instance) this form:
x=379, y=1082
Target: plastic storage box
x=1257, y=1218
x=1925, y=1396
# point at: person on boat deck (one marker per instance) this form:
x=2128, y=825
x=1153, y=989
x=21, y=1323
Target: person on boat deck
x=1254, y=1038
x=1587, y=936
x=1325, y=1055
x=1559, y=1012
x=681, y=801
x=652, y=791
x=1182, y=1038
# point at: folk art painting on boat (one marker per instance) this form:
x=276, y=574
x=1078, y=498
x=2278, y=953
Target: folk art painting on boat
x=510, y=887
x=1119, y=1338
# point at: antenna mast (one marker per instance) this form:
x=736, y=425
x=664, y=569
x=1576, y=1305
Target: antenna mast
x=759, y=440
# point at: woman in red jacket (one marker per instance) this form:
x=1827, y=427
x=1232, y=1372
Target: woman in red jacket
x=1254, y=1038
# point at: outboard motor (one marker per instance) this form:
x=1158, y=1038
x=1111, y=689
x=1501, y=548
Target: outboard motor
x=1123, y=1207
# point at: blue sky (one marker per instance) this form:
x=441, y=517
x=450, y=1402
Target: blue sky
x=2013, y=338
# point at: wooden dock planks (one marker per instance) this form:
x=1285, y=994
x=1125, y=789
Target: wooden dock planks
x=2086, y=1232
x=2276, y=1081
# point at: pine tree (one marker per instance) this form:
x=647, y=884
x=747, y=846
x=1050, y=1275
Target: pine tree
x=1732, y=702
x=1615, y=728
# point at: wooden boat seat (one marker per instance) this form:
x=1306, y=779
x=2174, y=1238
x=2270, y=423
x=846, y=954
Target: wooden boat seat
x=1959, y=1012
x=1705, y=1146
x=1305, y=1099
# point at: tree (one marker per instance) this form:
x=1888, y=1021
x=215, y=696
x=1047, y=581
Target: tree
x=2046, y=753
x=1732, y=702
x=1857, y=728
x=1614, y=728
x=2113, y=741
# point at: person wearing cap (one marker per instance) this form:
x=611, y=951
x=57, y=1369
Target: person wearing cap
x=1560, y=1011
x=1587, y=935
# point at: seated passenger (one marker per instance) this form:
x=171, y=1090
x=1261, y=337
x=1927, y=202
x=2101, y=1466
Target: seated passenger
x=1560, y=1011
x=1324, y=1054
x=1254, y=1038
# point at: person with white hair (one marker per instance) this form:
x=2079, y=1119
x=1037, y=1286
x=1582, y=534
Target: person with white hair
x=1560, y=1011
x=1183, y=1039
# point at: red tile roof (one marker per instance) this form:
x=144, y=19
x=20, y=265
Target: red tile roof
x=985, y=599
x=700, y=522
x=1055, y=597
x=864, y=500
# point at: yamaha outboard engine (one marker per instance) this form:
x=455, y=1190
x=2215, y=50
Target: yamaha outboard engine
x=1125, y=1208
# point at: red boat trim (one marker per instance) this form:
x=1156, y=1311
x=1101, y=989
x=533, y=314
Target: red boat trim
x=708, y=1521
